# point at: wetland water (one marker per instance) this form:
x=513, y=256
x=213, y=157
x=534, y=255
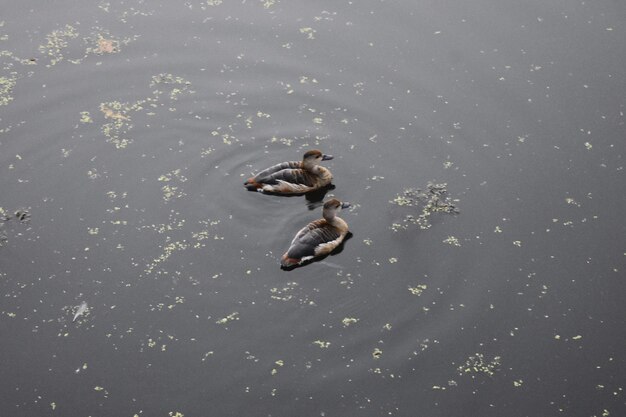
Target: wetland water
x=127, y=129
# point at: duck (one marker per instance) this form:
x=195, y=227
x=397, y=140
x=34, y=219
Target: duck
x=318, y=238
x=293, y=177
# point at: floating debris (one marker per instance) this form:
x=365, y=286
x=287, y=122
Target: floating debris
x=82, y=308
x=22, y=215
x=432, y=200
x=107, y=46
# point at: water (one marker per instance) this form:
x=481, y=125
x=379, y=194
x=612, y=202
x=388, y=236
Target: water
x=128, y=128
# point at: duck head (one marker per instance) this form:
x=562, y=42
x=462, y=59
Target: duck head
x=314, y=157
x=332, y=207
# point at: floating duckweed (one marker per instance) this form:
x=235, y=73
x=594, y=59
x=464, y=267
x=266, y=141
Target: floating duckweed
x=53, y=405
x=118, y=114
x=230, y=317
x=284, y=141
x=176, y=414
x=168, y=250
x=322, y=344
x=120, y=125
x=268, y=3
x=171, y=191
x=206, y=152
x=476, y=364
x=571, y=201
x=432, y=200
x=377, y=353
x=85, y=117
x=418, y=289
x=348, y=321
x=214, y=2
x=518, y=383
x=279, y=363
x=6, y=87
x=393, y=260
x=451, y=240
x=282, y=294
x=169, y=79
x=309, y=32
x=56, y=42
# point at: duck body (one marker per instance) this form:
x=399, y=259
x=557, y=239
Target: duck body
x=318, y=238
x=293, y=177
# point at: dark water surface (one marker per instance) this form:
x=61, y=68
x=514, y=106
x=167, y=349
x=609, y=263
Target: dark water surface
x=128, y=127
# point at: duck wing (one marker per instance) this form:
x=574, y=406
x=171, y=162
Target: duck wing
x=268, y=172
x=311, y=237
x=297, y=177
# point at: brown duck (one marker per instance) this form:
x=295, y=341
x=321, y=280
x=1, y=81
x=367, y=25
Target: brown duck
x=318, y=238
x=293, y=177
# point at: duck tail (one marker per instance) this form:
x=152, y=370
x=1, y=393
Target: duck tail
x=252, y=185
x=287, y=262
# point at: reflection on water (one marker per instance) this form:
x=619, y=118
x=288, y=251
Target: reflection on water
x=128, y=128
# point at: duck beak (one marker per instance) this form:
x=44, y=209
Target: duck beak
x=345, y=205
x=326, y=157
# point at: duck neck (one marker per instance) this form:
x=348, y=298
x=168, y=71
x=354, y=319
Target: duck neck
x=330, y=216
x=310, y=166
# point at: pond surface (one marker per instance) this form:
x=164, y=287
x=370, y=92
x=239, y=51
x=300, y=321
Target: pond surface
x=140, y=278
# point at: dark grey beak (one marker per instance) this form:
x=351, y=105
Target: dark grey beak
x=345, y=205
x=326, y=157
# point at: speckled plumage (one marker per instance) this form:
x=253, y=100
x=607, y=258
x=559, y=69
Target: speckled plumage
x=318, y=238
x=293, y=177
